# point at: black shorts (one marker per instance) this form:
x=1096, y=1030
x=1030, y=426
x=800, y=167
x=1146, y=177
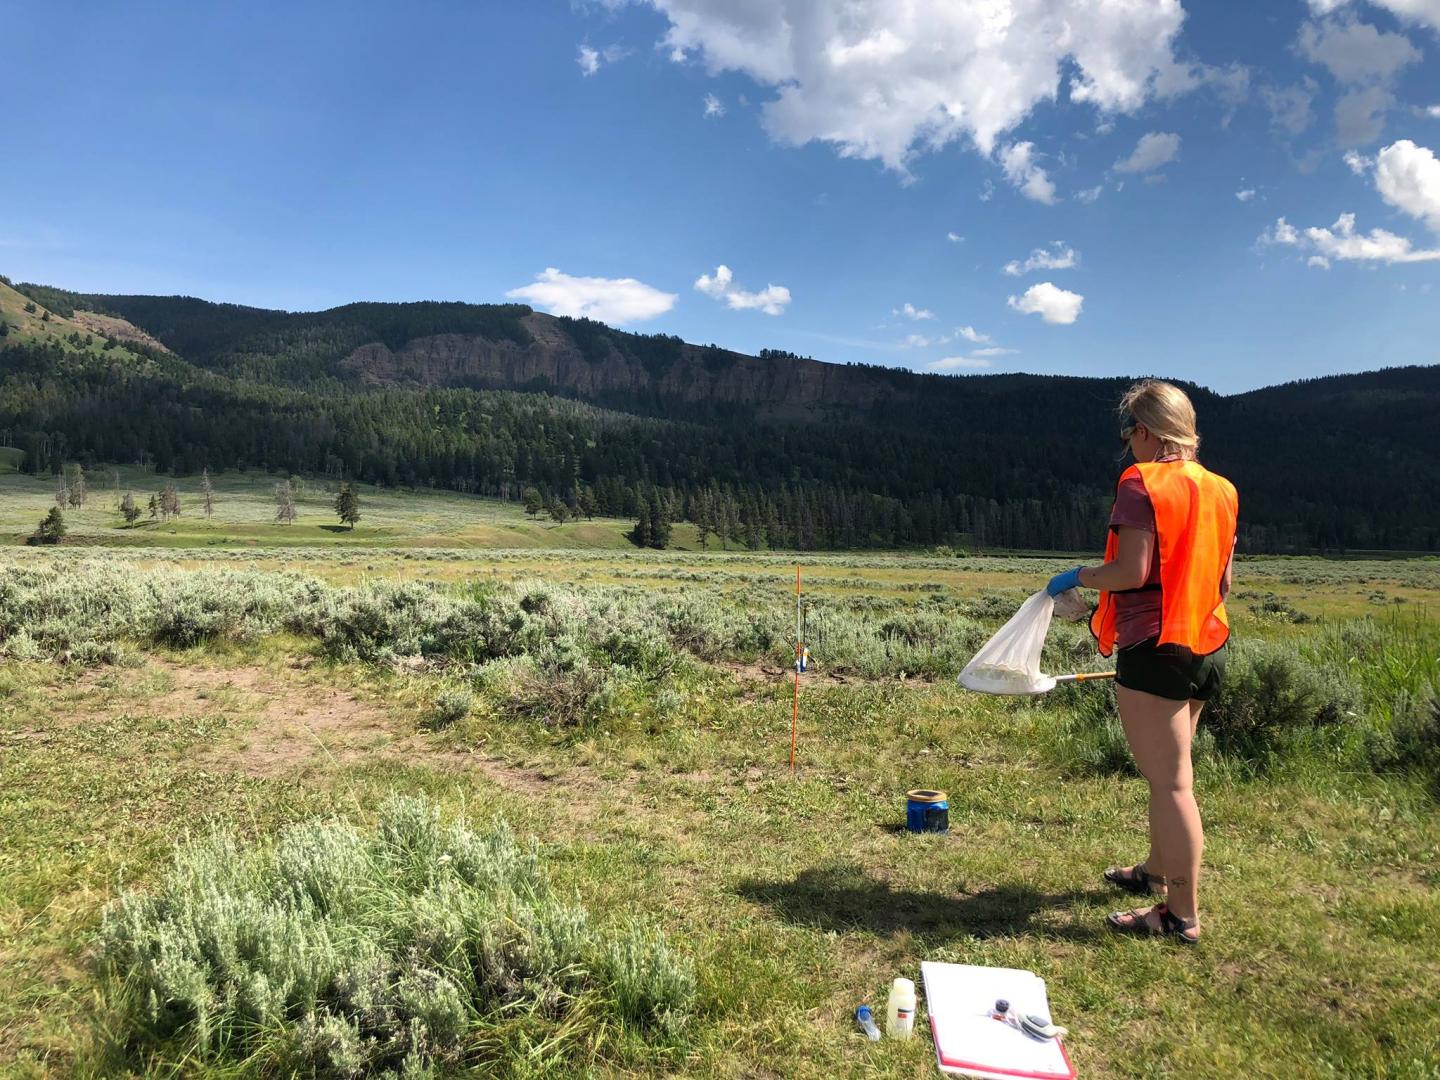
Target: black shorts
x=1170, y=671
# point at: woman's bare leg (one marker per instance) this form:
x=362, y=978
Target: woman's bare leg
x=1159, y=732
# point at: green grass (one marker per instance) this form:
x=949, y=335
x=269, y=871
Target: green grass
x=244, y=516
x=795, y=895
x=32, y=327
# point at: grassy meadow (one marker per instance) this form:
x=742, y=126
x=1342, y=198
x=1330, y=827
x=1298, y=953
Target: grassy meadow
x=244, y=515
x=463, y=793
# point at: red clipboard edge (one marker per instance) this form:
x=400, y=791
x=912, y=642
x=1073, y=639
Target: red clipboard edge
x=953, y=1063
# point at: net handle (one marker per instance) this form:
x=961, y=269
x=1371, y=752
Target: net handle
x=1083, y=676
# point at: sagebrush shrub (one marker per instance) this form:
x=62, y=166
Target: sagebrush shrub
x=1273, y=697
x=450, y=707
x=337, y=952
x=1412, y=739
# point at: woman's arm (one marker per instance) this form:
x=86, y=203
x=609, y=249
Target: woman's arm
x=1129, y=569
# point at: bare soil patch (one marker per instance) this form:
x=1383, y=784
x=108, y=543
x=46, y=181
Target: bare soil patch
x=520, y=779
x=761, y=672
x=120, y=329
x=273, y=724
x=291, y=725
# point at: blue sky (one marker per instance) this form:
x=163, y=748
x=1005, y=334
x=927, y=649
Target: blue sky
x=1183, y=174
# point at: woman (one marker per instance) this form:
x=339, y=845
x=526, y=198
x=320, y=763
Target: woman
x=1167, y=569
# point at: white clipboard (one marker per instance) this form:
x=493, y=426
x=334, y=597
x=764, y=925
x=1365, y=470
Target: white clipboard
x=968, y=1042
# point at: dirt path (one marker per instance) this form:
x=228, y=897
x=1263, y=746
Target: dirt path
x=278, y=723
x=281, y=727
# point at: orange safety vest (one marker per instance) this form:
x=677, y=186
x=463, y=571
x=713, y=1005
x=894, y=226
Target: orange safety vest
x=1195, y=513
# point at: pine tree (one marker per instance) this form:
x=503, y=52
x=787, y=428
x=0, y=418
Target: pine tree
x=532, y=500
x=51, y=528
x=128, y=509
x=702, y=518
x=207, y=493
x=154, y=507
x=731, y=523
x=640, y=534
x=347, y=506
x=586, y=503
x=170, y=501
x=659, y=524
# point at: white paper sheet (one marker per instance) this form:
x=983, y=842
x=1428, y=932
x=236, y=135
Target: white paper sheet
x=968, y=1042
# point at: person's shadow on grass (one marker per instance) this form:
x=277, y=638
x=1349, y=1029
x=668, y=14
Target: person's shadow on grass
x=843, y=897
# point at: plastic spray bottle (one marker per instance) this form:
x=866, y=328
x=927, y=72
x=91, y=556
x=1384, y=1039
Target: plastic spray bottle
x=900, y=1010
x=866, y=1020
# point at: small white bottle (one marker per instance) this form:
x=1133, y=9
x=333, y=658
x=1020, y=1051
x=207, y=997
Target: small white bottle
x=900, y=1010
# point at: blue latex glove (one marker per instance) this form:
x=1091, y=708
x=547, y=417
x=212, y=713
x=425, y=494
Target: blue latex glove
x=1070, y=579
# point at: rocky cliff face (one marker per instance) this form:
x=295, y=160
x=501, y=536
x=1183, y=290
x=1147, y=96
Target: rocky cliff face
x=694, y=375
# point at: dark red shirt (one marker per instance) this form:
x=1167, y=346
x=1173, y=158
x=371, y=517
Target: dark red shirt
x=1137, y=614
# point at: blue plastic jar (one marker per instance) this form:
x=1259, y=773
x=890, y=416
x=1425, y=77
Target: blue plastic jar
x=927, y=811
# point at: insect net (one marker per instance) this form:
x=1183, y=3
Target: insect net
x=1009, y=663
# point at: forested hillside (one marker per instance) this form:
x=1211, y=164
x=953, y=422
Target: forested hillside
x=774, y=450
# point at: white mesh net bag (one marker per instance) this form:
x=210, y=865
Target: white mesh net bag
x=1009, y=663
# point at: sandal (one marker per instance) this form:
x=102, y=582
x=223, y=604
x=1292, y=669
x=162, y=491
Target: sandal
x=1134, y=879
x=1137, y=921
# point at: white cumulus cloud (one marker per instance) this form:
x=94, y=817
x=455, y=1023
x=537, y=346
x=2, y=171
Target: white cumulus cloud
x=1433, y=111
x=721, y=286
x=1366, y=61
x=1050, y=302
x=1360, y=115
x=591, y=59
x=1407, y=177
x=1023, y=172
x=883, y=80
x=970, y=334
x=1342, y=242
x=1245, y=194
x=1156, y=149
x=1358, y=163
x=1355, y=51
x=910, y=311
x=954, y=237
x=1282, y=232
x=1289, y=106
x=610, y=300
x=714, y=106
x=1057, y=257
x=1424, y=12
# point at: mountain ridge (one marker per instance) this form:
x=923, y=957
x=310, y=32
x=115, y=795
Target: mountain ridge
x=398, y=358
x=469, y=396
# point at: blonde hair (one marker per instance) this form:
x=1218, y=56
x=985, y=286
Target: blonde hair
x=1168, y=413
